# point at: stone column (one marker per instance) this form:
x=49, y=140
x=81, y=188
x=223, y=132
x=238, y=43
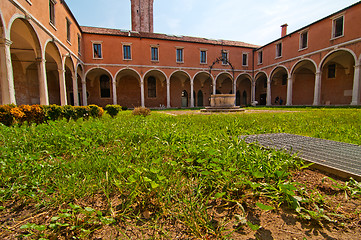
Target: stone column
x=142, y=93
x=269, y=92
x=7, y=76
x=192, y=94
x=289, y=91
x=75, y=90
x=253, y=92
x=115, y=100
x=356, y=86
x=214, y=87
x=234, y=91
x=83, y=89
x=317, y=93
x=168, y=93
x=43, y=82
x=62, y=85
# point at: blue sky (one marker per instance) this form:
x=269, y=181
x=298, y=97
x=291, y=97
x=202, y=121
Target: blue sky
x=252, y=21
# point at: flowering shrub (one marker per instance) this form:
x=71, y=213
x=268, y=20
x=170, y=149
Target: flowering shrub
x=12, y=114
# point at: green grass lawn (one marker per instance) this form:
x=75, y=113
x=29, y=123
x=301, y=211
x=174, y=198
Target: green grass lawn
x=160, y=167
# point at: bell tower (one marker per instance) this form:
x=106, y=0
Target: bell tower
x=142, y=15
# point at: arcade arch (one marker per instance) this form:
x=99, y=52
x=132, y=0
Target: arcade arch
x=99, y=87
x=155, y=88
x=3, y=76
x=224, y=83
x=26, y=60
x=261, y=88
x=69, y=85
x=337, y=74
x=180, y=89
x=303, y=77
x=53, y=63
x=128, y=88
x=202, y=85
x=279, y=81
x=243, y=90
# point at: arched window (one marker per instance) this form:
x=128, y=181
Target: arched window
x=152, y=87
x=244, y=96
x=104, y=86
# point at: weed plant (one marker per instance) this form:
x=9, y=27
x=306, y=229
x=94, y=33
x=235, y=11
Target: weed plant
x=161, y=167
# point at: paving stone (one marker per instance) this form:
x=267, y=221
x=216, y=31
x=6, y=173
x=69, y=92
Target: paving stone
x=343, y=157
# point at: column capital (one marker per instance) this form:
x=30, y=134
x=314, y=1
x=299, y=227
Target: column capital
x=5, y=42
x=40, y=60
x=358, y=65
x=60, y=70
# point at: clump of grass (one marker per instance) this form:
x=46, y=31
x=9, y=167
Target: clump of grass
x=141, y=111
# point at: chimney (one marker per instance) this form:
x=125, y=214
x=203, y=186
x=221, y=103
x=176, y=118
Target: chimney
x=284, y=30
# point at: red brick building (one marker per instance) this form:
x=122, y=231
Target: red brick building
x=47, y=58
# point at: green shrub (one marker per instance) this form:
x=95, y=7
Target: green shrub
x=124, y=108
x=69, y=112
x=96, y=111
x=141, y=111
x=113, y=110
x=82, y=112
x=53, y=112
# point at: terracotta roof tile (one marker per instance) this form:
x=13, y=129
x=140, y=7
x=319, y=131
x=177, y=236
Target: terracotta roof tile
x=127, y=33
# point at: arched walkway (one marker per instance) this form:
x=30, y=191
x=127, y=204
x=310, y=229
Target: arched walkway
x=243, y=90
x=79, y=79
x=180, y=89
x=261, y=89
x=3, y=76
x=303, y=77
x=69, y=85
x=155, y=89
x=279, y=78
x=53, y=63
x=202, y=85
x=128, y=88
x=26, y=61
x=224, y=83
x=337, y=71
x=99, y=87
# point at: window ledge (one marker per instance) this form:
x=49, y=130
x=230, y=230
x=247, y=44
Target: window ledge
x=180, y=62
x=97, y=58
x=334, y=38
x=68, y=42
x=30, y=3
x=127, y=59
x=203, y=63
x=53, y=26
x=302, y=49
x=245, y=65
x=260, y=63
x=154, y=61
x=278, y=57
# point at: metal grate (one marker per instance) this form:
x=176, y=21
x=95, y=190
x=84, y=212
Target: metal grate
x=343, y=157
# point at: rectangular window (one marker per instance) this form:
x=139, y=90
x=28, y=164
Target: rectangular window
x=203, y=56
x=331, y=71
x=303, y=40
x=52, y=12
x=152, y=87
x=79, y=44
x=68, y=32
x=278, y=50
x=97, y=50
x=337, y=27
x=224, y=57
x=244, y=59
x=127, y=52
x=179, y=55
x=260, y=57
x=155, y=56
